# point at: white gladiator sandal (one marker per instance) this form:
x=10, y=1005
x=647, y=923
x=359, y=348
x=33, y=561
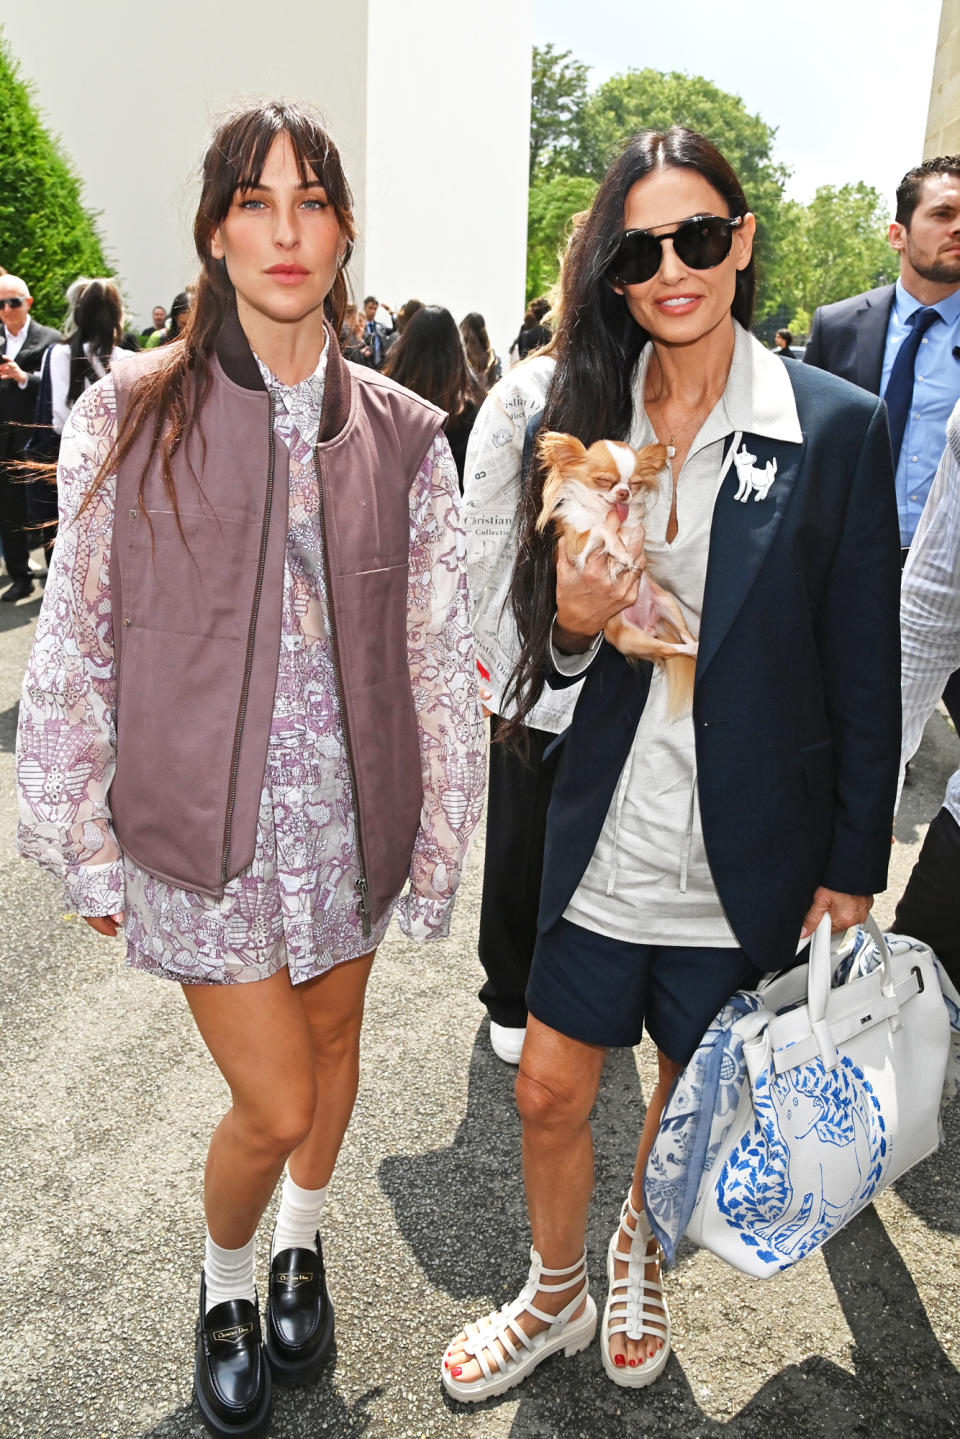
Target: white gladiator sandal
x=635, y=1304
x=521, y=1352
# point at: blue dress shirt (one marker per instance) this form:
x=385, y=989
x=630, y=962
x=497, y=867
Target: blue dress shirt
x=936, y=389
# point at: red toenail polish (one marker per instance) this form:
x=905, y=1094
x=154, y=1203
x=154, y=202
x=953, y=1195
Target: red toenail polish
x=457, y=1372
x=632, y=1363
x=619, y=1360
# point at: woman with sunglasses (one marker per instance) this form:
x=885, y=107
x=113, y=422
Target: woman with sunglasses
x=249, y=702
x=684, y=855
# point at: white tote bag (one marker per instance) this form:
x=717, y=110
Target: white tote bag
x=842, y=1096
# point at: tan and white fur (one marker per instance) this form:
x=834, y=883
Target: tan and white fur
x=596, y=499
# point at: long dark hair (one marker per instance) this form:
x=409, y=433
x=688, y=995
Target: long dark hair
x=597, y=345
x=98, y=317
x=429, y=359
x=170, y=398
x=479, y=350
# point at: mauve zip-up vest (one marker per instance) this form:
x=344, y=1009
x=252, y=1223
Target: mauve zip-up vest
x=196, y=619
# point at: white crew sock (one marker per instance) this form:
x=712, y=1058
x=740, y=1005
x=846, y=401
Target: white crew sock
x=298, y=1217
x=230, y=1273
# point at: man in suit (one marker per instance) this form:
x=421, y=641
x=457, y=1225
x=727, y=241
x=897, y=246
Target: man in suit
x=22, y=346
x=860, y=340
x=375, y=335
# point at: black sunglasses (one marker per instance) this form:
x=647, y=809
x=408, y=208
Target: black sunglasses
x=701, y=242
x=13, y=304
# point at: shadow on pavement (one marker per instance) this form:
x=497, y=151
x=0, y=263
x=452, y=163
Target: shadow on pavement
x=296, y=1414
x=476, y=1185
x=8, y=728
x=903, y=1382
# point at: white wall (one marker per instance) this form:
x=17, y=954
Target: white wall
x=447, y=157
x=427, y=99
x=177, y=65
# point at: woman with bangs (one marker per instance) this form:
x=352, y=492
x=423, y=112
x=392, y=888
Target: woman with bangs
x=684, y=853
x=252, y=680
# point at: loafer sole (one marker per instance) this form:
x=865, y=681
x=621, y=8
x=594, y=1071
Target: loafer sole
x=252, y=1427
x=292, y=1372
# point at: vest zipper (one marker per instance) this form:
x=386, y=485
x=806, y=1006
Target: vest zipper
x=248, y=662
x=361, y=886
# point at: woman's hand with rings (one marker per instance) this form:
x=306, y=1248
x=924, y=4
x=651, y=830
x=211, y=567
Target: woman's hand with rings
x=588, y=599
x=107, y=924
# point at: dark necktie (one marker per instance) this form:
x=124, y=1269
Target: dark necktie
x=899, y=391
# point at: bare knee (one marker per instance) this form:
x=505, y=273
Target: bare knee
x=546, y=1103
x=276, y=1130
x=335, y=1046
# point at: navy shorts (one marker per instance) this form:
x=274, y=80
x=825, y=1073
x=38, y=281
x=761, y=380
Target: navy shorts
x=604, y=991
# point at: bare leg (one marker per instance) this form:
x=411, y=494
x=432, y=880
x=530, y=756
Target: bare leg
x=333, y=1004
x=556, y=1086
x=634, y=1351
x=260, y=1040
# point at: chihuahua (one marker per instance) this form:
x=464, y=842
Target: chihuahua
x=596, y=500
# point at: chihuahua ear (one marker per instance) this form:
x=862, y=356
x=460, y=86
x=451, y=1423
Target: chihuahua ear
x=650, y=461
x=560, y=450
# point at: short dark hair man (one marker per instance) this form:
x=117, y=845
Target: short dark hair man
x=902, y=341
x=22, y=346
x=376, y=335
x=159, y=320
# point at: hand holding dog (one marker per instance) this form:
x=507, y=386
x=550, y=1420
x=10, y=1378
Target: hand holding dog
x=590, y=597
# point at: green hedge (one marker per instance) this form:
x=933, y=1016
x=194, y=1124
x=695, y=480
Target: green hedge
x=47, y=237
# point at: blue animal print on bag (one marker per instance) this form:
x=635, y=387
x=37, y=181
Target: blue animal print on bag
x=785, y=1187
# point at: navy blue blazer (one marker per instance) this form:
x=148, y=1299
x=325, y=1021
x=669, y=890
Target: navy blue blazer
x=796, y=702
x=848, y=338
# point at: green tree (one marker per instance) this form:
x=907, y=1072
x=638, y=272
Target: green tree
x=835, y=247
x=46, y=235
x=552, y=205
x=656, y=99
x=558, y=94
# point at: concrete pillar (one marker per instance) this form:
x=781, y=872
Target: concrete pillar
x=943, y=117
x=429, y=105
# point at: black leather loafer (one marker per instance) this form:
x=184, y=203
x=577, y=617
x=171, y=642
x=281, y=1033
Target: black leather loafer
x=231, y=1377
x=299, y=1316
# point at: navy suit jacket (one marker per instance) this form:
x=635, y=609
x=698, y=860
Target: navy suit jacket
x=796, y=702
x=848, y=338
x=16, y=405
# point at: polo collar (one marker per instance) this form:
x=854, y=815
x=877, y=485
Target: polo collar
x=758, y=398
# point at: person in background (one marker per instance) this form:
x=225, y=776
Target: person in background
x=159, y=320
x=534, y=334
x=429, y=359
x=374, y=333
x=179, y=316
x=352, y=341
x=95, y=331
x=929, y=908
x=782, y=341
x=902, y=341
x=480, y=353
x=227, y=505
x=23, y=344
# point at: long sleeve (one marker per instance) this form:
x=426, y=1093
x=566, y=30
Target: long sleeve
x=66, y=738
x=445, y=693
x=491, y=492
x=59, y=385
x=930, y=605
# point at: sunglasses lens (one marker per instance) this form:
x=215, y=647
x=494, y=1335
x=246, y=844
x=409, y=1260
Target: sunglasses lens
x=637, y=259
x=703, y=244
x=11, y=304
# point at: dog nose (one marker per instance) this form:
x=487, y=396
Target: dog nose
x=623, y=493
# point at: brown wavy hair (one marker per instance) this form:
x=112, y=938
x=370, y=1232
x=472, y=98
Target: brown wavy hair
x=169, y=399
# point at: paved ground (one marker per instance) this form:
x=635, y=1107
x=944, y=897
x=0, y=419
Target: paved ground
x=108, y=1099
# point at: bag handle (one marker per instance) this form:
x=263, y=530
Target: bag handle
x=820, y=974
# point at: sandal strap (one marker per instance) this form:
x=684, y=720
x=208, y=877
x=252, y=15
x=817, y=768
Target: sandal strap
x=503, y=1326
